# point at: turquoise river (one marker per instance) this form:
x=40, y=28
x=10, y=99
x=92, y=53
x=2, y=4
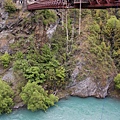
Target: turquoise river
x=73, y=108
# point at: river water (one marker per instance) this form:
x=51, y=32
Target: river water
x=73, y=108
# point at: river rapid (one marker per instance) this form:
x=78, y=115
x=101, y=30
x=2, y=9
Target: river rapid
x=73, y=108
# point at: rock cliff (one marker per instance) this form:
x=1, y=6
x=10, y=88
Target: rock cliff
x=94, y=70
x=91, y=73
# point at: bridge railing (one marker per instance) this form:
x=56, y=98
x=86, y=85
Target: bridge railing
x=82, y=1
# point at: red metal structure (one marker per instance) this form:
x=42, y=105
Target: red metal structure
x=66, y=4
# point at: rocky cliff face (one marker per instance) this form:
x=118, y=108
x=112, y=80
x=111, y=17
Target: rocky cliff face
x=91, y=80
x=14, y=28
x=92, y=74
x=89, y=87
x=93, y=71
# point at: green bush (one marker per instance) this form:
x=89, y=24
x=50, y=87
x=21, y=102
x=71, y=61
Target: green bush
x=5, y=59
x=58, y=44
x=6, y=98
x=21, y=64
x=117, y=81
x=9, y=6
x=94, y=28
x=112, y=36
x=49, y=17
x=41, y=68
x=36, y=97
x=33, y=74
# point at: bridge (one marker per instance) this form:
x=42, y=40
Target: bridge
x=69, y=4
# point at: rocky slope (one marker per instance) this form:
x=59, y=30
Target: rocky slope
x=92, y=71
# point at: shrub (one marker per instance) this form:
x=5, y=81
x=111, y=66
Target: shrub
x=42, y=68
x=33, y=74
x=6, y=95
x=117, y=81
x=9, y=6
x=5, y=59
x=94, y=28
x=49, y=17
x=21, y=65
x=36, y=97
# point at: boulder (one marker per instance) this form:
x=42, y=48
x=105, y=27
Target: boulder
x=89, y=87
x=9, y=76
x=19, y=105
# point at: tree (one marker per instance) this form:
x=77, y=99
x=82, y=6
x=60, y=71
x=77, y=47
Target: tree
x=32, y=73
x=6, y=98
x=112, y=37
x=9, y=6
x=41, y=68
x=112, y=30
x=36, y=97
x=94, y=29
x=5, y=59
x=117, y=81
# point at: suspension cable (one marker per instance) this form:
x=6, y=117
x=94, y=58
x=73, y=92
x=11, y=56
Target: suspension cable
x=80, y=18
x=66, y=19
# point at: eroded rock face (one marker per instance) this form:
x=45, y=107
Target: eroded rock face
x=9, y=76
x=84, y=88
x=1, y=3
x=88, y=81
x=3, y=18
x=92, y=74
x=89, y=87
x=6, y=38
x=19, y=105
x=51, y=30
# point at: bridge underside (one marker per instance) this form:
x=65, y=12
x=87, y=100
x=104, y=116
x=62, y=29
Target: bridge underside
x=85, y=4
